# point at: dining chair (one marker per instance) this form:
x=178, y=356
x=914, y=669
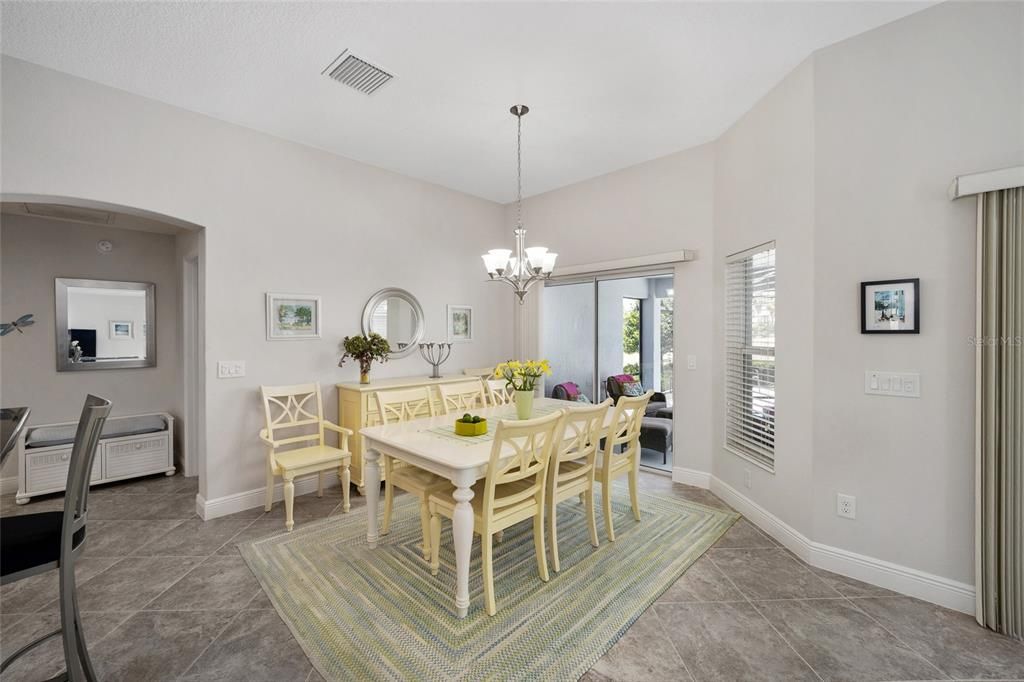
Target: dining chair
x=481, y=372
x=35, y=543
x=623, y=433
x=463, y=396
x=400, y=405
x=297, y=409
x=512, y=491
x=572, y=467
x=499, y=392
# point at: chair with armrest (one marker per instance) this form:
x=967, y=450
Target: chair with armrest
x=292, y=409
x=627, y=385
x=35, y=543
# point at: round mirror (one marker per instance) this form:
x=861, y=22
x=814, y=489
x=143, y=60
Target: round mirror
x=396, y=315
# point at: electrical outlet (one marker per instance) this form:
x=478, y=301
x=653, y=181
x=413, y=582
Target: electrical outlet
x=691, y=362
x=846, y=506
x=746, y=478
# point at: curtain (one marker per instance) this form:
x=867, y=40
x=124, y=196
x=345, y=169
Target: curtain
x=1001, y=419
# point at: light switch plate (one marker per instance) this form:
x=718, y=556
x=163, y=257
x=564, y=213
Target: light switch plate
x=895, y=384
x=691, y=362
x=230, y=369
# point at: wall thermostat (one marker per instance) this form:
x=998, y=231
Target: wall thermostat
x=104, y=246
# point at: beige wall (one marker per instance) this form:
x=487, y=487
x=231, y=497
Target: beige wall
x=278, y=216
x=899, y=111
x=663, y=205
x=764, y=191
x=34, y=251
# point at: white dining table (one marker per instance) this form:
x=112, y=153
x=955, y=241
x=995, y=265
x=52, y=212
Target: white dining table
x=430, y=444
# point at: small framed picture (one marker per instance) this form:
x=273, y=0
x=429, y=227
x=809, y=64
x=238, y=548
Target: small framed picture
x=890, y=306
x=122, y=329
x=292, y=317
x=460, y=323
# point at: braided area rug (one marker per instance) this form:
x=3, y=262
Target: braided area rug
x=378, y=614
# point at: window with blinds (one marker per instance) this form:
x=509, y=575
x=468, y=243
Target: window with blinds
x=750, y=354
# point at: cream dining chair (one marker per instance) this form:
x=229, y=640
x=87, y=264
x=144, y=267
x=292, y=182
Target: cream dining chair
x=297, y=409
x=624, y=433
x=572, y=467
x=461, y=397
x=398, y=406
x=498, y=392
x=512, y=491
x=480, y=372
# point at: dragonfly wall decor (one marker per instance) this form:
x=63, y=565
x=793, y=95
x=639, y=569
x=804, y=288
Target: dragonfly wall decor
x=23, y=321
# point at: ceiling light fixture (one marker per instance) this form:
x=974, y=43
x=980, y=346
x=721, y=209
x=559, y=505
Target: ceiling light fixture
x=528, y=265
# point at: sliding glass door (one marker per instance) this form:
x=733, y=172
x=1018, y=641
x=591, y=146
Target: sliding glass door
x=614, y=334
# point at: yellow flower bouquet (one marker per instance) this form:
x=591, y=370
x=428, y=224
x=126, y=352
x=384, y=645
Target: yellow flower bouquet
x=521, y=376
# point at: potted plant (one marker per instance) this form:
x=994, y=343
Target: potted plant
x=521, y=377
x=365, y=349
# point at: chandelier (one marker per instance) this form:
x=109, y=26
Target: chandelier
x=528, y=265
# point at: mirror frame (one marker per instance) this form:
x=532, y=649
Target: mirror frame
x=64, y=364
x=393, y=292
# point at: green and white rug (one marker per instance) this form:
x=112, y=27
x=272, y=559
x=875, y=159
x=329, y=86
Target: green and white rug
x=363, y=614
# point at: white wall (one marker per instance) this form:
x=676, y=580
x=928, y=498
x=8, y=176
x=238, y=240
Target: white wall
x=662, y=205
x=278, y=216
x=35, y=251
x=898, y=112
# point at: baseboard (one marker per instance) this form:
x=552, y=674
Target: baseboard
x=8, y=485
x=231, y=504
x=698, y=479
x=903, y=579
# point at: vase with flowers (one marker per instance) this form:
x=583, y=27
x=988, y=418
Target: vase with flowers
x=521, y=376
x=365, y=349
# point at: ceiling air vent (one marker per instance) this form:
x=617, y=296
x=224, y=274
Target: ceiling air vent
x=73, y=213
x=355, y=73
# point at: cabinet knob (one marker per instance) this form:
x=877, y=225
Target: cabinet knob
x=64, y=457
x=138, y=446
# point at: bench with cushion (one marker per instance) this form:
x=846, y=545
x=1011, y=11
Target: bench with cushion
x=129, y=447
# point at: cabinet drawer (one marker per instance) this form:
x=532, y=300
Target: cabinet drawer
x=45, y=471
x=136, y=455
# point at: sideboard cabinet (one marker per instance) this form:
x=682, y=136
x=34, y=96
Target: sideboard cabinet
x=357, y=408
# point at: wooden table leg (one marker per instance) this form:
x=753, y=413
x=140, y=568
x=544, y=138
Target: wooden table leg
x=371, y=480
x=462, y=534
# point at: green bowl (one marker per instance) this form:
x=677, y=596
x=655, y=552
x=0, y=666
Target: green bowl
x=477, y=429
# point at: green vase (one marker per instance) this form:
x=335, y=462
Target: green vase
x=524, y=404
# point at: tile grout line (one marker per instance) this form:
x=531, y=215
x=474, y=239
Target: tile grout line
x=897, y=637
x=212, y=640
x=672, y=644
x=764, y=618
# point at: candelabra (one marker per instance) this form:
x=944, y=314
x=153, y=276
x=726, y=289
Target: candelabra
x=435, y=354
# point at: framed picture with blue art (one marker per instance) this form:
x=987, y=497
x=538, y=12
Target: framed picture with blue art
x=891, y=306
x=292, y=317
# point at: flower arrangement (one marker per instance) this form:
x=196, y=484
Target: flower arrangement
x=522, y=375
x=365, y=349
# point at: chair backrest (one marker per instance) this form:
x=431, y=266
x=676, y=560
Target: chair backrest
x=614, y=385
x=403, y=404
x=292, y=407
x=463, y=396
x=499, y=392
x=627, y=418
x=481, y=372
x=520, y=452
x=83, y=453
x=578, y=439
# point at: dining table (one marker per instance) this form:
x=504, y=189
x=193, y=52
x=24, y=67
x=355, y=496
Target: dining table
x=12, y=423
x=431, y=443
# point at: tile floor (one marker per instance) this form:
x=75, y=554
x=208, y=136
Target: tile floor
x=166, y=596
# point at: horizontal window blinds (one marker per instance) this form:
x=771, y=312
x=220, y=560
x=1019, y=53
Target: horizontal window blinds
x=750, y=354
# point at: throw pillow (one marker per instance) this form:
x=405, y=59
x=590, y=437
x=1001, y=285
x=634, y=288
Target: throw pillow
x=633, y=389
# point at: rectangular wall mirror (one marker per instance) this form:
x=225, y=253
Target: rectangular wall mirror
x=103, y=324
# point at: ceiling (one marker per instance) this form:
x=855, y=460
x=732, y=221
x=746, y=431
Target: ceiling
x=609, y=85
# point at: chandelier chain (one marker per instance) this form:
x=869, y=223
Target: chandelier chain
x=519, y=171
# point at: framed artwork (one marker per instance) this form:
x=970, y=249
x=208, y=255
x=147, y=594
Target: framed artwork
x=890, y=306
x=460, y=323
x=122, y=329
x=292, y=317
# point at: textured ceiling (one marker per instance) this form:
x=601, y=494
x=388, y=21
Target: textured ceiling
x=609, y=84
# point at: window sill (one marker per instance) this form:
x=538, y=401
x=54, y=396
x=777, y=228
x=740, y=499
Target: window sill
x=753, y=460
